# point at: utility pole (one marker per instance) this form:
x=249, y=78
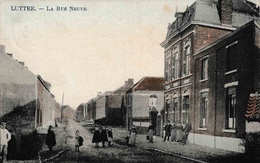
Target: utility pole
x=61, y=116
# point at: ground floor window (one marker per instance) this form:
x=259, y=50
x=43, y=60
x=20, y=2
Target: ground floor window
x=203, y=108
x=185, y=110
x=231, y=108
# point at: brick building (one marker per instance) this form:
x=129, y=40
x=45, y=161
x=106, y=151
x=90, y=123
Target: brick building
x=226, y=73
x=200, y=25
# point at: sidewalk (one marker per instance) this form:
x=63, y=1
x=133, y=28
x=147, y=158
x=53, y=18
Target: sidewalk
x=190, y=151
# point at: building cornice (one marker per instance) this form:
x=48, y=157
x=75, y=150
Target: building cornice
x=178, y=31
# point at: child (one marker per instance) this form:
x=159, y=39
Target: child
x=110, y=136
x=77, y=140
x=96, y=137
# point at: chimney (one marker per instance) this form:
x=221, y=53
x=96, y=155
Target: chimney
x=99, y=93
x=130, y=82
x=10, y=55
x=22, y=63
x=225, y=11
x=2, y=49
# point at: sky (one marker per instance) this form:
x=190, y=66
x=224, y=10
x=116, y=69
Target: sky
x=82, y=53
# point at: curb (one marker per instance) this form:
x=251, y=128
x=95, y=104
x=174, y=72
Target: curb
x=176, y=155
x=53, y=157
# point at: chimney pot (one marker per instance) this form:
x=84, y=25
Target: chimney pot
x=2, y=49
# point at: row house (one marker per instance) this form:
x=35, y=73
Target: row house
x=67, y=113
x=145, y=101
x=200, y=25
x=81, y=112
x=109, y=107
x=116, y=107
x=96, y=108
x=45, y=103
x=226, y=73
x=26, y=103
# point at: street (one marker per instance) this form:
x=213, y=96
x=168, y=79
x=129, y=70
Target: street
x=117, y=153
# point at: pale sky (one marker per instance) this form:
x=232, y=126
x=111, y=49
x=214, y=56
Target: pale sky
x=85, y=52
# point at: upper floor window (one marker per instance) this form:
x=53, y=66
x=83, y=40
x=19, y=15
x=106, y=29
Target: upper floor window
x=232, y=56
x=153, y=100
x=186, y=60
x=204, y=68
x=168, y=69
x=175, y=64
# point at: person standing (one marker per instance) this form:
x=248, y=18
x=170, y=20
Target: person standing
x=150, y=133
x=5, y=137
x=168, y=127
x=133, y=134
x=186, y=132
x=109, y=136
x=103, y=136
x=77, y=140
x=50, y=140
x=96, y=137
x=179, y=133
x=173, y=132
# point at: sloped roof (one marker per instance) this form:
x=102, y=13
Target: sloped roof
x=207, y=11
x=253, y=108
x=150, y=84
x=116, y=97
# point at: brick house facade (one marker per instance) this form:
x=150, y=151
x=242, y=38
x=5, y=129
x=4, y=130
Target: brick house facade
x=200, y=25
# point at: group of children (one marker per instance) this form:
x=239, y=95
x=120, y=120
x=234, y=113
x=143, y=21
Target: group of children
x=103, y=134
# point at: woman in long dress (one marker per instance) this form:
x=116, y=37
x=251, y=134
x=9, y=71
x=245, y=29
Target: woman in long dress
x=50, y=139
x=173, y=132
x=96, y=137
x=150, y=133
x=133, y=133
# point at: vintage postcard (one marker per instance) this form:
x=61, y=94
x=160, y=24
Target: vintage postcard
x=129, y=80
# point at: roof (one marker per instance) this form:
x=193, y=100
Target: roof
x=149, y=84
x=116, y=97
x=253, y=108
x=207, y=11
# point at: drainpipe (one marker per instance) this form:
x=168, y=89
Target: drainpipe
x=194, y=88
x=215, y=114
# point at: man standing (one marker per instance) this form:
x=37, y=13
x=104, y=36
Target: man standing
x=168, y=127
x=5, y=137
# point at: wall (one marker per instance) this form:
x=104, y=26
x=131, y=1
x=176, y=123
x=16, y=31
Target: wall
x=46, y=105
x=140, y=102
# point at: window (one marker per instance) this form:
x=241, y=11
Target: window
x=185, y=109
x=203, y=109
x=231, y=108
x=153, y=100
x=186, y=60
x=204, y=68
x=175, y=108
x=168, y=69
x=39, y=116
x=176, y=65
x=232, y=57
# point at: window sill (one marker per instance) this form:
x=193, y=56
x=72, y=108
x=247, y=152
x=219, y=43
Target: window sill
x=203, y=129
x=186, y=76
x=229, y=130
x=230, y=72
x=203, y=80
